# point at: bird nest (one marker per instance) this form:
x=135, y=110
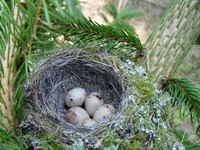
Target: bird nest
x=94, y=71
x=48, y=85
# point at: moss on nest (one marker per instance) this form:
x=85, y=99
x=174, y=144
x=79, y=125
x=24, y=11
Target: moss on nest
x=141, y=120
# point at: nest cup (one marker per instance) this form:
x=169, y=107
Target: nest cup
x=52, y=78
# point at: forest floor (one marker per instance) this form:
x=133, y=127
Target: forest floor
x=153, y=11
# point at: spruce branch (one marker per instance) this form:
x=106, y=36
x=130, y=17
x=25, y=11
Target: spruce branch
x=82, y=31
x=121, y=15
x=37, y=19
x=7, y=72
x=12, y=20
x=48, y=22
x=185, y=97
x=88, y=30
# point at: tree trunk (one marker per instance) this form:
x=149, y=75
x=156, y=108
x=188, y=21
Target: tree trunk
x=172, y=39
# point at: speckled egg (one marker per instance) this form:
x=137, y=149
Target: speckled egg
x=76, y=114
x=104, y=112
x=87, y=122
x=93, y=102
x=75, y=97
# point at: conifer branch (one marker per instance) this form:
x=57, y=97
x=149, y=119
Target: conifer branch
x=37, y=20
x=7, y=92
x=50, y=22
x=185, y=96
x=87, y=28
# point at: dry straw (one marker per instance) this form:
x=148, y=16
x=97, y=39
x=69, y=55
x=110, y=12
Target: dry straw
x=54, y=77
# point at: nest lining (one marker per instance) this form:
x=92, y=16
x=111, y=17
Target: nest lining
x=54, y=77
